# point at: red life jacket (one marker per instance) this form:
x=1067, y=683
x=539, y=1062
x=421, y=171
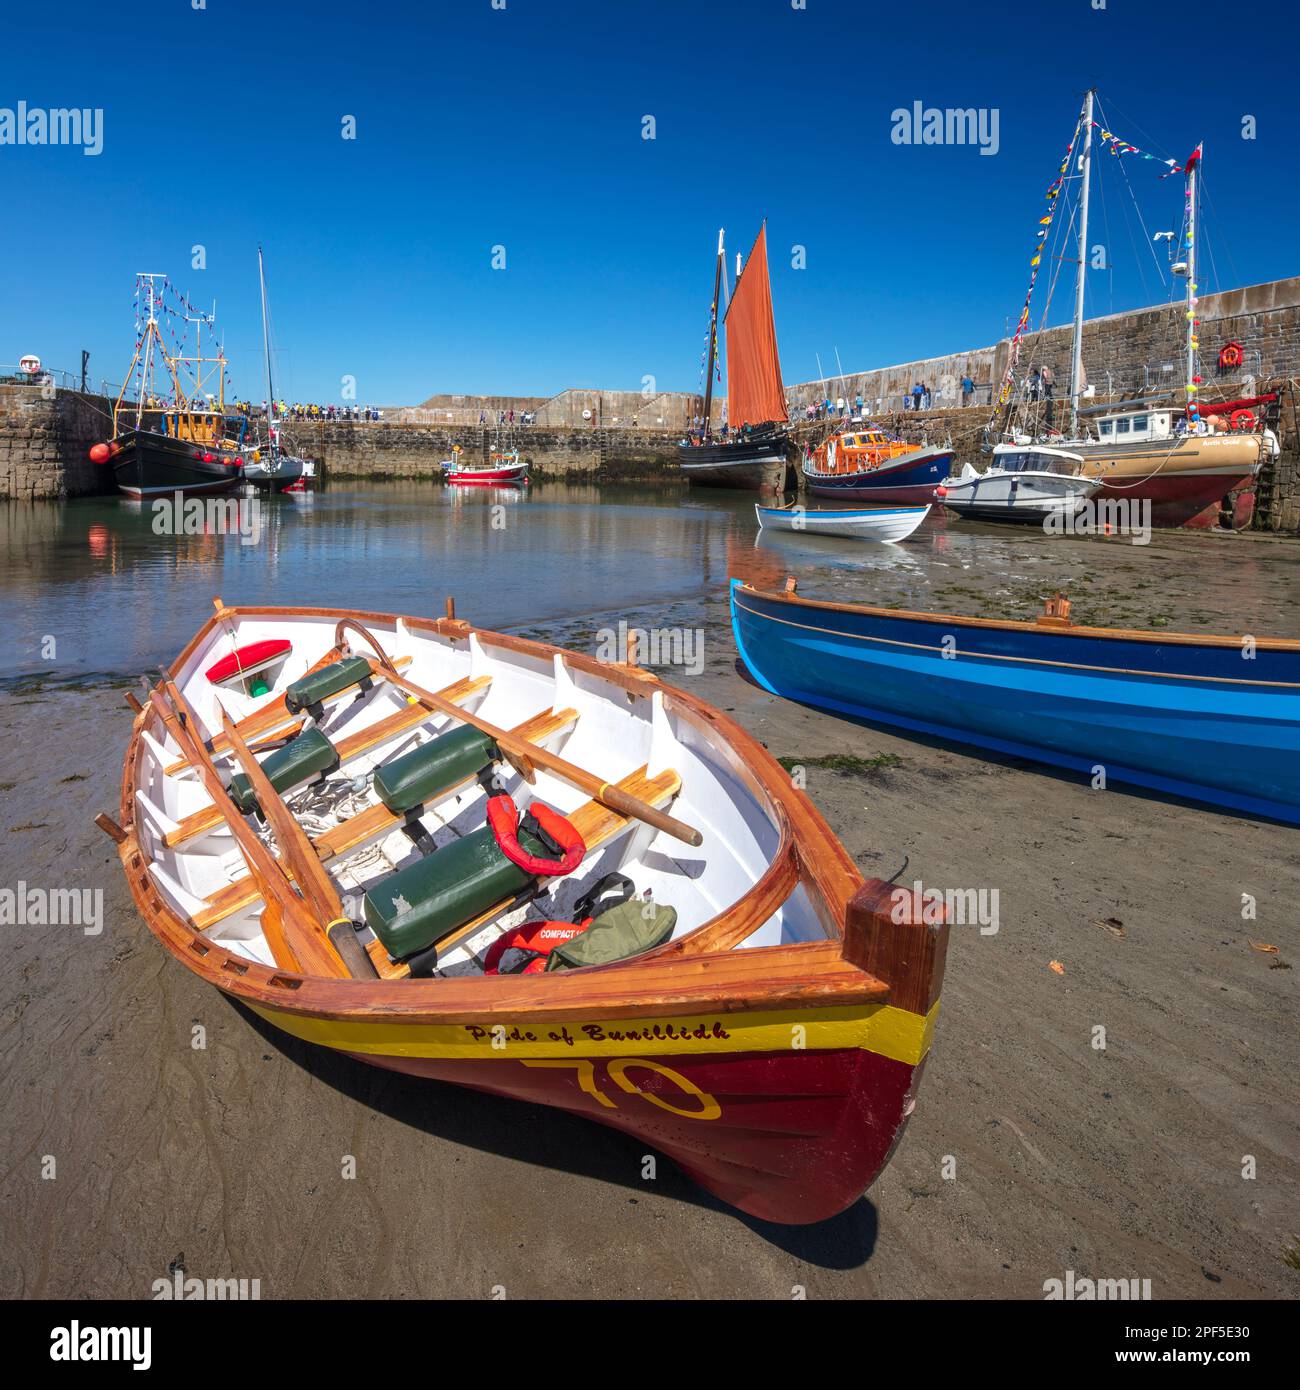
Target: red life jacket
x=549, y=826
x=538, y=939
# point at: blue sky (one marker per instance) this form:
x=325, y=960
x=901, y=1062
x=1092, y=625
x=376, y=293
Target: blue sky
x=522, y=127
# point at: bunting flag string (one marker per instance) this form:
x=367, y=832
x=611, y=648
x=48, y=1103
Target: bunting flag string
x=1035, y=264
x=1120, y=147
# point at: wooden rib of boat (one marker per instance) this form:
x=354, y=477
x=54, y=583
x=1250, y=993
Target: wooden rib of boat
x=888, y=524
x=771, y=1046
x=1214, y=719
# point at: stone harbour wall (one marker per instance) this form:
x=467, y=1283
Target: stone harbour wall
x=45, y=440
x=358, y=450
x=1123, y=354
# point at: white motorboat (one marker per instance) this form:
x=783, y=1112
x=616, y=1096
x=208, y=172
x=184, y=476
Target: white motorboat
x=1025, y=482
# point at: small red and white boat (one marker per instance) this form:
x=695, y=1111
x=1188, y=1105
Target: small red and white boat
x=500, y=468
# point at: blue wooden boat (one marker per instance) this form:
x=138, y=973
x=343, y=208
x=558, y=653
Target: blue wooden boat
x=1214, y=719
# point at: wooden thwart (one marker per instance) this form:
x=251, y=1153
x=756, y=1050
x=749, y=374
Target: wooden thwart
x=274, y=713
x=515, y=747
x=358, y=830
x=208, y=817
x=595, y=822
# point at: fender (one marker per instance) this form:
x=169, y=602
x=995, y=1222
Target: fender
x=503, y=817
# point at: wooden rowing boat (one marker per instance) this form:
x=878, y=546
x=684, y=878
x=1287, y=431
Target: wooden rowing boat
x=772, y=1046
x=1214, y=719
x=888, y=524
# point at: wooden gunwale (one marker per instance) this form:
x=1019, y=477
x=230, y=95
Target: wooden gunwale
x=696, y=977
x=1191, y=639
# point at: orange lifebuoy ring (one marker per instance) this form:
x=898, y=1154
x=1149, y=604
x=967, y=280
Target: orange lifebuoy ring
x=1242, y=420
x=1230, y=355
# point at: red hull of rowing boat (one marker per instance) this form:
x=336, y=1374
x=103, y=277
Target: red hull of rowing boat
x=801, y=1135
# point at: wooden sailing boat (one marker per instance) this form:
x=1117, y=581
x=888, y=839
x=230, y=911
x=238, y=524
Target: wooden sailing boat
x=172, y=438
x=751, y=451
x=344, y=885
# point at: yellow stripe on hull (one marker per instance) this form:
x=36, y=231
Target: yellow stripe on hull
x=879, y=1028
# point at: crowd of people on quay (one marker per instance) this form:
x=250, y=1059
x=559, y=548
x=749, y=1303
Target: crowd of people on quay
x=508, y=418
x=919, y=397
x=311, y=410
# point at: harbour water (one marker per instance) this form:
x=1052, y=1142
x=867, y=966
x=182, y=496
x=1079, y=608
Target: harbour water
x=94, y=592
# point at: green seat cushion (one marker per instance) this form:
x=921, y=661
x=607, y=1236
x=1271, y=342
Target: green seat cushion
x=420, y=904
x=433, y=767
x=329, y=680
x=304, y=757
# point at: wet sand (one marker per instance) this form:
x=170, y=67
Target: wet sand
x=1115, y=1163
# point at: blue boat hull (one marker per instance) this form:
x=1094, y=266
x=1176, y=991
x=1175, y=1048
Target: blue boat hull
x=1196, y=720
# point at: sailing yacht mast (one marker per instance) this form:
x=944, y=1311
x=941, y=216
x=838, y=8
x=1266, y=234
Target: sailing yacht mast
x=1192, y=164
x=713, y=342
x=1076, y=360
x=273, y=433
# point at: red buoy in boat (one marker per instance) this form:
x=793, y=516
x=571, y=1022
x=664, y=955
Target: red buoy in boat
x=253, y=656
x=99, y=453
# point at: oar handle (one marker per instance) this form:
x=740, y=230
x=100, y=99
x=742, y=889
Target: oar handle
x=534, y=755
x=636, y=809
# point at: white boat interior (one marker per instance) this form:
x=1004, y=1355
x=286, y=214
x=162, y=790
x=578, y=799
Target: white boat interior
x=629, y=732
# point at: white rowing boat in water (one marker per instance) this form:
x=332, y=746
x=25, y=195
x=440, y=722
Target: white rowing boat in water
x=863, y=524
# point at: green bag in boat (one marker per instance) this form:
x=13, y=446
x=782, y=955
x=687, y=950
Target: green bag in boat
x=624, y=931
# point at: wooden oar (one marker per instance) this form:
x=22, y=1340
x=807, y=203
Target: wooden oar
x=311, y=950
x=297, y=851
x=530, y=754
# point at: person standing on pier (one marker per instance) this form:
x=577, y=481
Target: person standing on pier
x=1034, y=384
x=1048, y=379
x=967, y=390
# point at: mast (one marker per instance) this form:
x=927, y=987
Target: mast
x=1192, y=163
x=272, y=433
x=713, y=341
x=1076, y=361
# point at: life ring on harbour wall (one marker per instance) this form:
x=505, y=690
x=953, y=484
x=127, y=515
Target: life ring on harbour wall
x=1242, y=420
x=1230, y=356
x=548, y=826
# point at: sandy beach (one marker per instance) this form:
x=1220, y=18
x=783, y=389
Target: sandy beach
x=1033, y=1151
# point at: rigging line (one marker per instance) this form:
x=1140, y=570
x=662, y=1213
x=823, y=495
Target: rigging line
x=1155, y=144
x=1137, y=207
x=1105, y=221
x=1214, y=213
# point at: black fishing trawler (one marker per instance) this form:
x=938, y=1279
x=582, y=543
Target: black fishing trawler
x=172, y=438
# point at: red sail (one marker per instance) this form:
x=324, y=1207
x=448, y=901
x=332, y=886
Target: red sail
x=754, y=393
